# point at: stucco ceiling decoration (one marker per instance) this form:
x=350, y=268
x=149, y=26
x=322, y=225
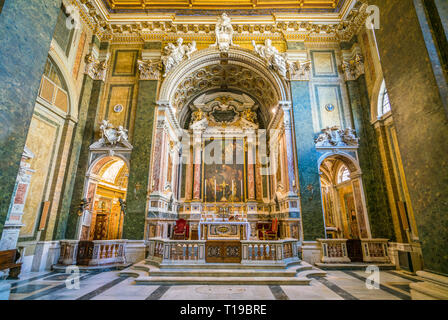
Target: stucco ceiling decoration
x=141, y=27
x=139, y=5
x=239, y=70
x=228, y=77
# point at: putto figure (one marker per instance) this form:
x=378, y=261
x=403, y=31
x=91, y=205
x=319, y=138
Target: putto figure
x=224, y=33
x=273, y=57
x=112, y=136
x=173, y=55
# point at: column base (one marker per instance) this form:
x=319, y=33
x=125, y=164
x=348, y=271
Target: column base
x=10, y=236
x=311, y=252
x=434, y=287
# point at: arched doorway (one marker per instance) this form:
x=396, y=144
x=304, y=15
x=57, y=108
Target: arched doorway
x=106, y=189
x=343, y=200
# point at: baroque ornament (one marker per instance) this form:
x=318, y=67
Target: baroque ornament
x=300, y=70
x=149, y=69
x=335, y=137
x=111, y=136
x=96, y=69
x=353, y=68
x=224, y=33
x=174, y=54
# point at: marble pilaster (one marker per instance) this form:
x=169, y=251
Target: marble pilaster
x=24, y=45
x=307, y=159
x=86, y=138
x=374, y=183
x=251, y=166
x=287, y=122
x=139, y=172
x=197, y=148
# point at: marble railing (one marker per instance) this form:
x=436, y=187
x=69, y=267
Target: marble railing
x=334, y=250
x=194, y=251
x=164, y=250
x=276, y=250
x=92, y=253
x=375, y=250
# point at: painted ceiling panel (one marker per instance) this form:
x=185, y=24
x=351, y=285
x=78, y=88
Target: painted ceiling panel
x=309, y=5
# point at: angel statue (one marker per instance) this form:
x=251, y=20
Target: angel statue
x=173, y=55
x=275, y=59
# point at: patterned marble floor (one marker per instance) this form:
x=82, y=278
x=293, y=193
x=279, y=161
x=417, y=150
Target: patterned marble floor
x=338, y=285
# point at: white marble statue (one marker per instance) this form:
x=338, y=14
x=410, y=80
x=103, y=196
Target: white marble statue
x=112, y=136
x=273, y=57
x=224, y=33
x=174, y=54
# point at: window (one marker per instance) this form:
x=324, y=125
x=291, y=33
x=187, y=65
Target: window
x=53, y=88
x=62, y=34
x=344, y=174
x=383, y=101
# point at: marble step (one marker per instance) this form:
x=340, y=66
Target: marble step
x=221, y=273
x=151, y=280
x=354, y=266
x=256, y=265
x=315, y=273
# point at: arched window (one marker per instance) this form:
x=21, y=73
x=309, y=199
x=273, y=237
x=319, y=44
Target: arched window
x=343, y=175
x=53, y=88
x=383, y=101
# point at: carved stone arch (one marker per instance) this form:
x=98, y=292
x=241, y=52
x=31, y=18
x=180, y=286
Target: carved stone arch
x=351, y=163
x=99, y=162
x=180, y=80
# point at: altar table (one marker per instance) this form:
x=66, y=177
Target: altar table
x=224, y=230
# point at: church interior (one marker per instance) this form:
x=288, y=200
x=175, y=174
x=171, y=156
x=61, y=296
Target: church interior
x=251, y=149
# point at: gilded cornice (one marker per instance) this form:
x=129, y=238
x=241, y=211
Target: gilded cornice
x=165, y=27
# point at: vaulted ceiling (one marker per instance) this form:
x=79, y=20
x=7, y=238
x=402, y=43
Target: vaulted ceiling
x=305, y=5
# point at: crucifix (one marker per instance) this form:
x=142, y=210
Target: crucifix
x=223, y=185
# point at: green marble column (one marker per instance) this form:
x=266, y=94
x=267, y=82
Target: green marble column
x=85, y=134
x=374, y=183
x=413, y=68
x=134, y=221
x=26, y=30
x=307, y=158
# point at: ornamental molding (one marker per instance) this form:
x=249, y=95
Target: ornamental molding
x=159, y=26
x=224, y=112
x=331, y=137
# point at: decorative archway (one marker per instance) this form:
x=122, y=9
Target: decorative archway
x=105, y=190
x=209, y=69
x=343, y=196
x=249, y=95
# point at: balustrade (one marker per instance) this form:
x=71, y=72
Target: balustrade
x=92, y=253
x=193, y=251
